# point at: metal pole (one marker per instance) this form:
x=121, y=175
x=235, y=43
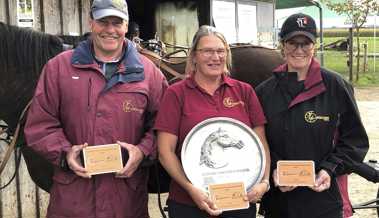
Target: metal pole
x=317, y=4
x=375, y=42
x=274, y=37
x=211, y=13
x=351, y=54
x=321, y=37
x=236, y=21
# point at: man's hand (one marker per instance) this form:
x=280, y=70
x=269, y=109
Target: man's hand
x=322, y=181
x=135, y=158
x=73, y=160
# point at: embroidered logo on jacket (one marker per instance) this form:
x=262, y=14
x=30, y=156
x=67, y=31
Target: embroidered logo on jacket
x=127, y=106
x=312, y=117
x=228, y=102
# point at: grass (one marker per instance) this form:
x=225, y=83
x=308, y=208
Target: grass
x=337, y=61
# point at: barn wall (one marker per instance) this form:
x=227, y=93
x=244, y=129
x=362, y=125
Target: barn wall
x=12, y=12
x=170, y=18
x=62, y=17
x=21, y=199
x=3, y=11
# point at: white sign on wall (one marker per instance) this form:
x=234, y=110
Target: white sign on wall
x=225, y=16
x=25, y=14
x=247, y=20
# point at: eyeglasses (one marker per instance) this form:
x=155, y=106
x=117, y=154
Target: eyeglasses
x=115, y=23
x=293, y=45
x=208, y=52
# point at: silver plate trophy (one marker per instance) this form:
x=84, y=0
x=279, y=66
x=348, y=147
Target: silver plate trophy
x=222, y=150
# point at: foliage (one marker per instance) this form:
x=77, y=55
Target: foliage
x=344, y=32
x=357, y=12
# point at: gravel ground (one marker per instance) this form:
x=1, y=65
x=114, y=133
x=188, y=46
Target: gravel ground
x=360, y=190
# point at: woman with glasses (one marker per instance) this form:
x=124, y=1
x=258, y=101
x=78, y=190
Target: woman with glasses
x=311, y=116
x=207, y=92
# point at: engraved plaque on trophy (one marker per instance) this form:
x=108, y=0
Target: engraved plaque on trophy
x=223, y=150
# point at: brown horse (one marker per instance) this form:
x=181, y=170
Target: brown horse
x=252, y=64
x=24, y=52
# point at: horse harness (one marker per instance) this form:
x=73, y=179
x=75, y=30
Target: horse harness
x=162, y=63
x=13, y=142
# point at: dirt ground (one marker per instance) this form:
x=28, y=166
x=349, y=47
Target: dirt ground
x=360, y=190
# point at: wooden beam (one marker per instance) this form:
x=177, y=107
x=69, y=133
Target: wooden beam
x=60, y=6
x=41, y=16
x=7, y=14
x=80, y=8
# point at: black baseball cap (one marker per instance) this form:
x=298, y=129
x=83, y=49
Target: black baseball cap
x=298, y=24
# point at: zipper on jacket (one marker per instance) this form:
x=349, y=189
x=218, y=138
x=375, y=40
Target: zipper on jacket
x=89, y=94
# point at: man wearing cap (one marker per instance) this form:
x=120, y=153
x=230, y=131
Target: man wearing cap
x=311, y=115
x=102, y=92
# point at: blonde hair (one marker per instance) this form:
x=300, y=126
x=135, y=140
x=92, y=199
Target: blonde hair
x=206, y=30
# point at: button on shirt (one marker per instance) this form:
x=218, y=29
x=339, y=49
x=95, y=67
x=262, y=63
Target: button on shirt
x=185, y=104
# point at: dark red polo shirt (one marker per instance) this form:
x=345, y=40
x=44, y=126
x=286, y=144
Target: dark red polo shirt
x=185, y=104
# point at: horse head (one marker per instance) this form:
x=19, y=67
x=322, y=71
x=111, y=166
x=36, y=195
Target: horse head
x=225, y=141
x=214, y=146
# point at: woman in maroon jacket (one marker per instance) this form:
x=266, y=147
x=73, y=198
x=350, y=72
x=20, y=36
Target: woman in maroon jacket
x=207, y=92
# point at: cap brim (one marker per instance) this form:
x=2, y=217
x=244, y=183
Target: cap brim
x=300, y=33
x=101, y=13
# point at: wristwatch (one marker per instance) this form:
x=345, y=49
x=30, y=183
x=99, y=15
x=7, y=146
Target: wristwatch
x=267, y=182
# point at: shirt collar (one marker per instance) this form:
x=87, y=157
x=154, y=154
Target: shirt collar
x=313, y=76
x=225, y=80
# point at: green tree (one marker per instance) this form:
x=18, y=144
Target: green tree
x=357, y=12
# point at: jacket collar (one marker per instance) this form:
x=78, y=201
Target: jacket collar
x=131, y=69
x=313, y=84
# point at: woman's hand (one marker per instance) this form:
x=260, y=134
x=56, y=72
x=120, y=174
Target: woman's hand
x=202, y=201
x=322, y=181
x=281, y=188
x=256, y=193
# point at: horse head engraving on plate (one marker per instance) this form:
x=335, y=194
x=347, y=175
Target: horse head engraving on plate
x=214, y=146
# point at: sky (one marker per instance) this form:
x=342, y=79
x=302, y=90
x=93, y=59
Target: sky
x=330, y=19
